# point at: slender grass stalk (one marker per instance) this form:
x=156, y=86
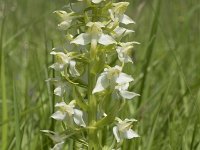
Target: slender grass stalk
x=17, y=120
x=52, y=126
x=149, y=49
x=3, y=90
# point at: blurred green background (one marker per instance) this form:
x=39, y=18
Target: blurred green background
x=166, y=72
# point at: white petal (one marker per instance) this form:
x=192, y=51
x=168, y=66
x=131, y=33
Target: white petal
x=53, y=53
x=57, y=66
x=124, y=78
x=78, y=118
x=64, y=25
x=66, y=108
x=61, y=104
x=116, y=134
x=72, y=69
x=97, y=1
x=82, y=39
x=124, y=58
x=125, y=19
x=58, y=115
x=102, y=84
x=130, y=120
x=106, y=39
x=97, y=24
x=122, y=87
x=127, y=94
x=58, y=91
x=111, y=14
x=58, y=146
x=122, y=31
x=129, y=134
x=62, y=14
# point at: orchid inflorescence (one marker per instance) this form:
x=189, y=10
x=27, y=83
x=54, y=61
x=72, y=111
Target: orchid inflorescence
x=90, y=73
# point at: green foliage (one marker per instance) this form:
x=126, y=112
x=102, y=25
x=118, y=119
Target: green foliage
x=168, y=116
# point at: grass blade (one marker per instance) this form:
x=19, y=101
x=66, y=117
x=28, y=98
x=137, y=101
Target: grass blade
x=17, y=120
x=3, y=91
x=149, y=50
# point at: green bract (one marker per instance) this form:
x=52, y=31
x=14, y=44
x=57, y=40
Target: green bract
x=88, y=73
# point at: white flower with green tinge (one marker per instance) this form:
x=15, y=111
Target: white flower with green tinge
x=69, y=111
x=117, y=13
x=94, y=35
x=60, y=89
x=123, y=130
x=114, y=78
x=66, y=19
x=125, y=51
x=65, y=60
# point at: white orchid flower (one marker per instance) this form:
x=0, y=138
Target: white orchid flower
x=65, y=60
x=64, y=110
x=60, y=89
x=66, y=19
x=123, y=130
x=69, y=110
x=94, y=35
x=114, y=78
x=124, y=51
x=117, y=13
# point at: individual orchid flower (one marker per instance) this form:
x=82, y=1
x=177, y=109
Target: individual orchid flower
x=69, y=111
x=124, y=51
x=114, y=78
x=117, y=13
x=60, y=86
x=123, y=130
x=65, y=60
x=94, y=35
x=66, y=19
x=60, y=89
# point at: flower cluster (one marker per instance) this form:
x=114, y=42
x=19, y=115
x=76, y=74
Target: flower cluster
x=94, y=32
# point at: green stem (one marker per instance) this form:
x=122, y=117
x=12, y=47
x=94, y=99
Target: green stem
x=92, y=133
x=92, y=113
